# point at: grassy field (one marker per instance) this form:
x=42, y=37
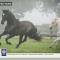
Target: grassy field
x=30, y=46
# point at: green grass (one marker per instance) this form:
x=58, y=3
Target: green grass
x=30, y=46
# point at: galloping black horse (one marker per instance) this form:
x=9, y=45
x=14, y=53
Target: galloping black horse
x=15, y=27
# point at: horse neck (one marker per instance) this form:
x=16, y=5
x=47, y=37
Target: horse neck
x=11, y=22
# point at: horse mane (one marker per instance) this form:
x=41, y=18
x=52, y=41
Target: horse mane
x=11, y=15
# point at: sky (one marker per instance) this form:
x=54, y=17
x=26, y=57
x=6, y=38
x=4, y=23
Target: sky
x=38, y=16
x=36, y=11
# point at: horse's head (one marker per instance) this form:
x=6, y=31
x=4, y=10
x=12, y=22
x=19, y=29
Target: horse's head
x=5, y=11
x=8, y=16
x=4, y=18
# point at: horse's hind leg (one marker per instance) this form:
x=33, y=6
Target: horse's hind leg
x=25, y=38
x=20, y=41
x=10, y=36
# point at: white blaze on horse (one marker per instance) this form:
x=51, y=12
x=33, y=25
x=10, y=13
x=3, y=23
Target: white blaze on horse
x=56, y=31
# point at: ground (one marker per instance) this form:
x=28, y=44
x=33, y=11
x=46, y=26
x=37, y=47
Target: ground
x=30, y=46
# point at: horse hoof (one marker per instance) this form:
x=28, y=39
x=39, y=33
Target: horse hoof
x=9, y=43
x=0, y=37
x=0, y=43
x=50, y=47
x=16, y=46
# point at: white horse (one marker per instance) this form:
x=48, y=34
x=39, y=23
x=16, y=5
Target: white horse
x=55, y=25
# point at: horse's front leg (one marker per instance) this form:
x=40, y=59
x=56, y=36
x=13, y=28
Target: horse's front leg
x=20, y=41
x=10, y=36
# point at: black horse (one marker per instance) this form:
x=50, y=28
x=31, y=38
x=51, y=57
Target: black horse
x=15, y=27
